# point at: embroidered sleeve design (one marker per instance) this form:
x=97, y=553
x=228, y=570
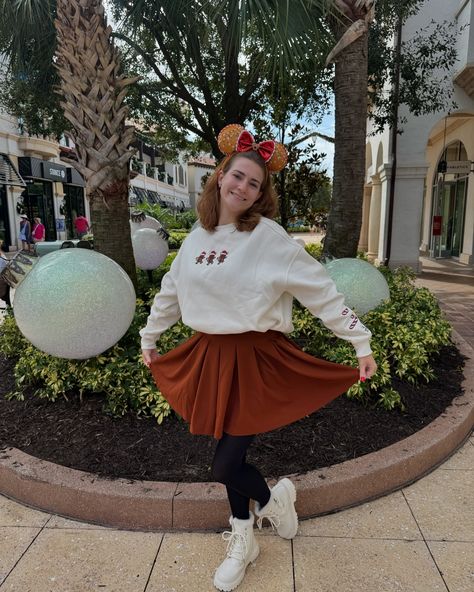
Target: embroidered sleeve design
x=353, y=320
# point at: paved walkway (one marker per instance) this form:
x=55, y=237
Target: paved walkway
x=418, y=539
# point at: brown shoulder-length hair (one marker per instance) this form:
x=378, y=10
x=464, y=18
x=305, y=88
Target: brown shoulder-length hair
x=209, y=202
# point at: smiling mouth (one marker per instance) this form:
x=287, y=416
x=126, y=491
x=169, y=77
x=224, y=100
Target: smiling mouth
x=239, y=197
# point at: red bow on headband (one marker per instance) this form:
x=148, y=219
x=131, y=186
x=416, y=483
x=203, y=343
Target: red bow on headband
x=246, y=142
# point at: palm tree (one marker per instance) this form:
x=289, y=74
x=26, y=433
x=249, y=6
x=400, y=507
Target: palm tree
x=93, y=90
x=350, y=92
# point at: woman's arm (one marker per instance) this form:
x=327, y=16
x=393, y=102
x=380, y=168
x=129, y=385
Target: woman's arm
x=164, y=313
x=310, y=283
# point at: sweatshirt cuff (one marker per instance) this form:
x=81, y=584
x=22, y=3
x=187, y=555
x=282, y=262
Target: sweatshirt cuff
x=147, y=341
x=362, y=348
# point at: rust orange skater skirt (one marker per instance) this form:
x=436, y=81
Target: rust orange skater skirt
x=246, y=383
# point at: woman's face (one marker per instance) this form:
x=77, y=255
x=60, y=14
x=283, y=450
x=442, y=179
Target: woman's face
x=240, y=187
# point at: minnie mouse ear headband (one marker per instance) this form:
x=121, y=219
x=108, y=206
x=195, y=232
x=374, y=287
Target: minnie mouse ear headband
x=234, y=138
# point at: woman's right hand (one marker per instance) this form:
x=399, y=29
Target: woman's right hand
x=149, y=356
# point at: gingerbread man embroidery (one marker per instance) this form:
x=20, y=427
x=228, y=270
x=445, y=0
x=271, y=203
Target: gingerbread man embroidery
x=201, y=257
x=222, y=257
x=211, y=257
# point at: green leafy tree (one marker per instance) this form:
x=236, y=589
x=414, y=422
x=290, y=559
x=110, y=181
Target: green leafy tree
x=207, y=64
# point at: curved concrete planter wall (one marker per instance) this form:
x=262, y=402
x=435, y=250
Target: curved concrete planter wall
x=148, y=505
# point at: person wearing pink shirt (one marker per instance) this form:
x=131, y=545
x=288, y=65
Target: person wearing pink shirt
x=81, y=224
x=38, y=232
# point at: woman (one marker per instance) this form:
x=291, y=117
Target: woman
x=233, y=281
x=38, y=230
x=25, y=232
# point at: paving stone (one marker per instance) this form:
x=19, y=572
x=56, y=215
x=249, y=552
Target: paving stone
x=442, y=505
x=188, y=561
x=456, y=562
x=15, y=514
x=361, y=565
x=60, y=522
x=13, y=543
x=463, y=459
x=64, y=560
x=387, y=518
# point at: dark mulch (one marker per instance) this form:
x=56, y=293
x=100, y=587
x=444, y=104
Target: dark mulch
x=80, y=436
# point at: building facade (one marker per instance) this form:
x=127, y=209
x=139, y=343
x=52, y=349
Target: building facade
x=433, y=197
x=34, y=181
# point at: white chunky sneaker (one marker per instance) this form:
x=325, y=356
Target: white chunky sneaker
x=242, y=548
x=280, y=509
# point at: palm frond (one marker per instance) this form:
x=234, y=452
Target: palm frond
x=27, y=34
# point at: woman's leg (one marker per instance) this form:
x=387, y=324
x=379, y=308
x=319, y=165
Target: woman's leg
x=242, y=480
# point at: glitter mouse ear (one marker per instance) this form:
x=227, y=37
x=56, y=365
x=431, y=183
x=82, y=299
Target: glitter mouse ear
x=279, y=159
x=234, y=138
x=228, y=136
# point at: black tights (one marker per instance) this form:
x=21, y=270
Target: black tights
x=243, y=481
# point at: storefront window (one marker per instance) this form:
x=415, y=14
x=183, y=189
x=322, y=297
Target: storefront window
x=74, y=206
x=39, y=204
x=4, y=223
x=449, y=204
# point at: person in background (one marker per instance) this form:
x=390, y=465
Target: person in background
x=39, y=231
x=233, y=282
x=4, y=287
x=81, y=225
x=25, y=232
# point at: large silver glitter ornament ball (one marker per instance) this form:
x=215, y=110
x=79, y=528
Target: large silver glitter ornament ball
x=74, y=303
x=362, y=284
x=149, y=248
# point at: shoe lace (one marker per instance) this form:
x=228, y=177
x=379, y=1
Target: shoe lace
x=236, y=546
x=273, y=518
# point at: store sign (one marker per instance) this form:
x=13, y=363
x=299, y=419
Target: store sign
x=460, y=167
x=53, y=171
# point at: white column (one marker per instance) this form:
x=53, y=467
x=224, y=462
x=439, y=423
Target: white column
x=407, y=216
x=374, y=218
x=364, y=230
x=467, y=251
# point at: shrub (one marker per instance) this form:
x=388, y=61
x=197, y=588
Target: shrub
x=314, y=249
x=169, y=219
x=118, y=373
x=176, y=238
x=407, y=330
x=301, y=228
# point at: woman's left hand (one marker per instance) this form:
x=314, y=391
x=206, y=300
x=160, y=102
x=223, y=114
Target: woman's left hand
x=367, y=367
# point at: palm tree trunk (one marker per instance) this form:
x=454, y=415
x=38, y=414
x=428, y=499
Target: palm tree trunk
x=111, y=227
x=350, y=90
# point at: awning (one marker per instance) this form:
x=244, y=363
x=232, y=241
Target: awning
x=8, y=173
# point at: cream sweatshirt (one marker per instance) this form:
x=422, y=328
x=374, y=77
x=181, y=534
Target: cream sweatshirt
x=228, y=281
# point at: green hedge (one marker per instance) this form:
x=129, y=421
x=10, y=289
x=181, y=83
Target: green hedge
x=407, y=330
x=180, y=220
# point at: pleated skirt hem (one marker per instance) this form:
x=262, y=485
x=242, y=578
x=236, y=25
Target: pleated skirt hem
x=246, y=383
